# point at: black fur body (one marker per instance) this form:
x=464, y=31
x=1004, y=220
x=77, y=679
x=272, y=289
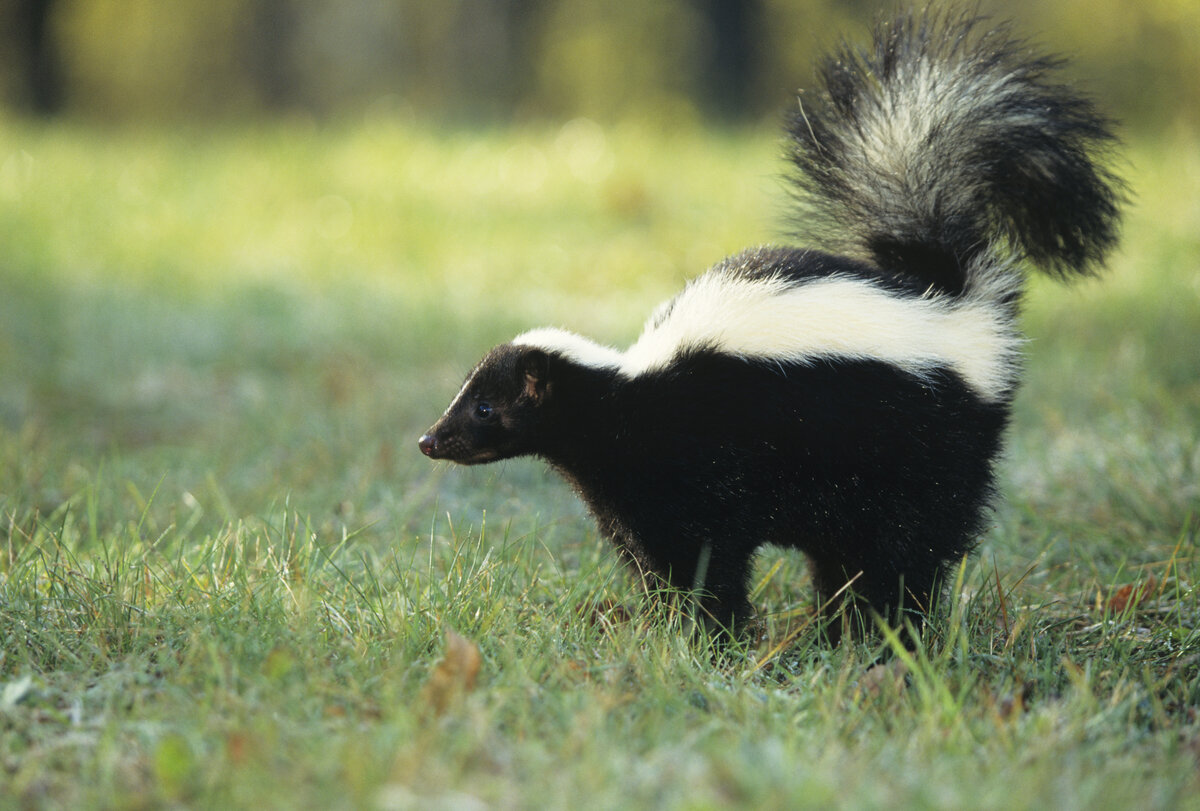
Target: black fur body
x=868, y=446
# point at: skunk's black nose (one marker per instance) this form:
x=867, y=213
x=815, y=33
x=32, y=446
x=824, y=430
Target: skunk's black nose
x=427, y=444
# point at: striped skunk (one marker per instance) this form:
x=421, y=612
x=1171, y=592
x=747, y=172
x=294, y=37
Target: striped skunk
x=846, y=399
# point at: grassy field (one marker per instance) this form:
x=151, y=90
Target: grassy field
x=228, y=579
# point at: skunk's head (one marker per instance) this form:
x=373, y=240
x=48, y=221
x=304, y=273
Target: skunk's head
x=498, y=412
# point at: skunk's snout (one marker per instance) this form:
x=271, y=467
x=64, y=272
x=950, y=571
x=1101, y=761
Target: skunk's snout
x=428, y=445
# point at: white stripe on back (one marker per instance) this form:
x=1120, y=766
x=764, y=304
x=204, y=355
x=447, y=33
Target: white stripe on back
x=833, y=317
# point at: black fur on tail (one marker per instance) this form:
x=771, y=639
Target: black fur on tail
x=946, y=139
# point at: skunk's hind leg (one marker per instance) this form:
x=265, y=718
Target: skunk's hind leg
x=854, y=598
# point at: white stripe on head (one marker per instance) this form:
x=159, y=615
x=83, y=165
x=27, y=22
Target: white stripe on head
x=583, y=351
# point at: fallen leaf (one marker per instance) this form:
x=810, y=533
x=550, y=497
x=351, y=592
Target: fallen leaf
x=1129, y=596
x=237, y=747
x=889, y=678
x=454, y=675
x=1014, y=704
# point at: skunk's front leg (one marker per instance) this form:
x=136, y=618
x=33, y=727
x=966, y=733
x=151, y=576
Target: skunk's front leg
x=719, y=579
x=713, y=573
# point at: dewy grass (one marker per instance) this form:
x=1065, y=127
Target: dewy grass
x=227, y=578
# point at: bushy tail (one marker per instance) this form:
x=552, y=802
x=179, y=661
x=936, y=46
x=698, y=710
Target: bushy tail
x=949, y=140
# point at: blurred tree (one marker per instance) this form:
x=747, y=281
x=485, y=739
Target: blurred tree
x=729, y=69
x=512, y=59
x=39, y=75
x=267, y=47
x=474, y=57
x=523, y=25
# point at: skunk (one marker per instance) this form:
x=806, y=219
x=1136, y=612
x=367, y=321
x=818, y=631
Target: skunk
x=846, y=399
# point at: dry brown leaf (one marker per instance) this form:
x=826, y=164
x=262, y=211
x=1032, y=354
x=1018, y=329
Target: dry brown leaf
x=1013, y=705
x=237, y=747
x=884, y=679
x=1130, y=596
x=454, y=675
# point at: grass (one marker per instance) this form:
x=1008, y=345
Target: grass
x=228, y=579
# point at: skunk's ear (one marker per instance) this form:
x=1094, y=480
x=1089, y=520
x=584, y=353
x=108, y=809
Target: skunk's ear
x=535, y=368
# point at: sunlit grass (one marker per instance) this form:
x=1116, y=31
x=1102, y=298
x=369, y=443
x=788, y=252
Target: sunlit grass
x=448, y=218
x=226, y=575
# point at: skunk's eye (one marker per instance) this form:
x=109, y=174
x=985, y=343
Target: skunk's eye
x=483, y=410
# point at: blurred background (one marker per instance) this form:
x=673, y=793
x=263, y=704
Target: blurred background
x=515, y=60
x=248, y=248
x=248, y=251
